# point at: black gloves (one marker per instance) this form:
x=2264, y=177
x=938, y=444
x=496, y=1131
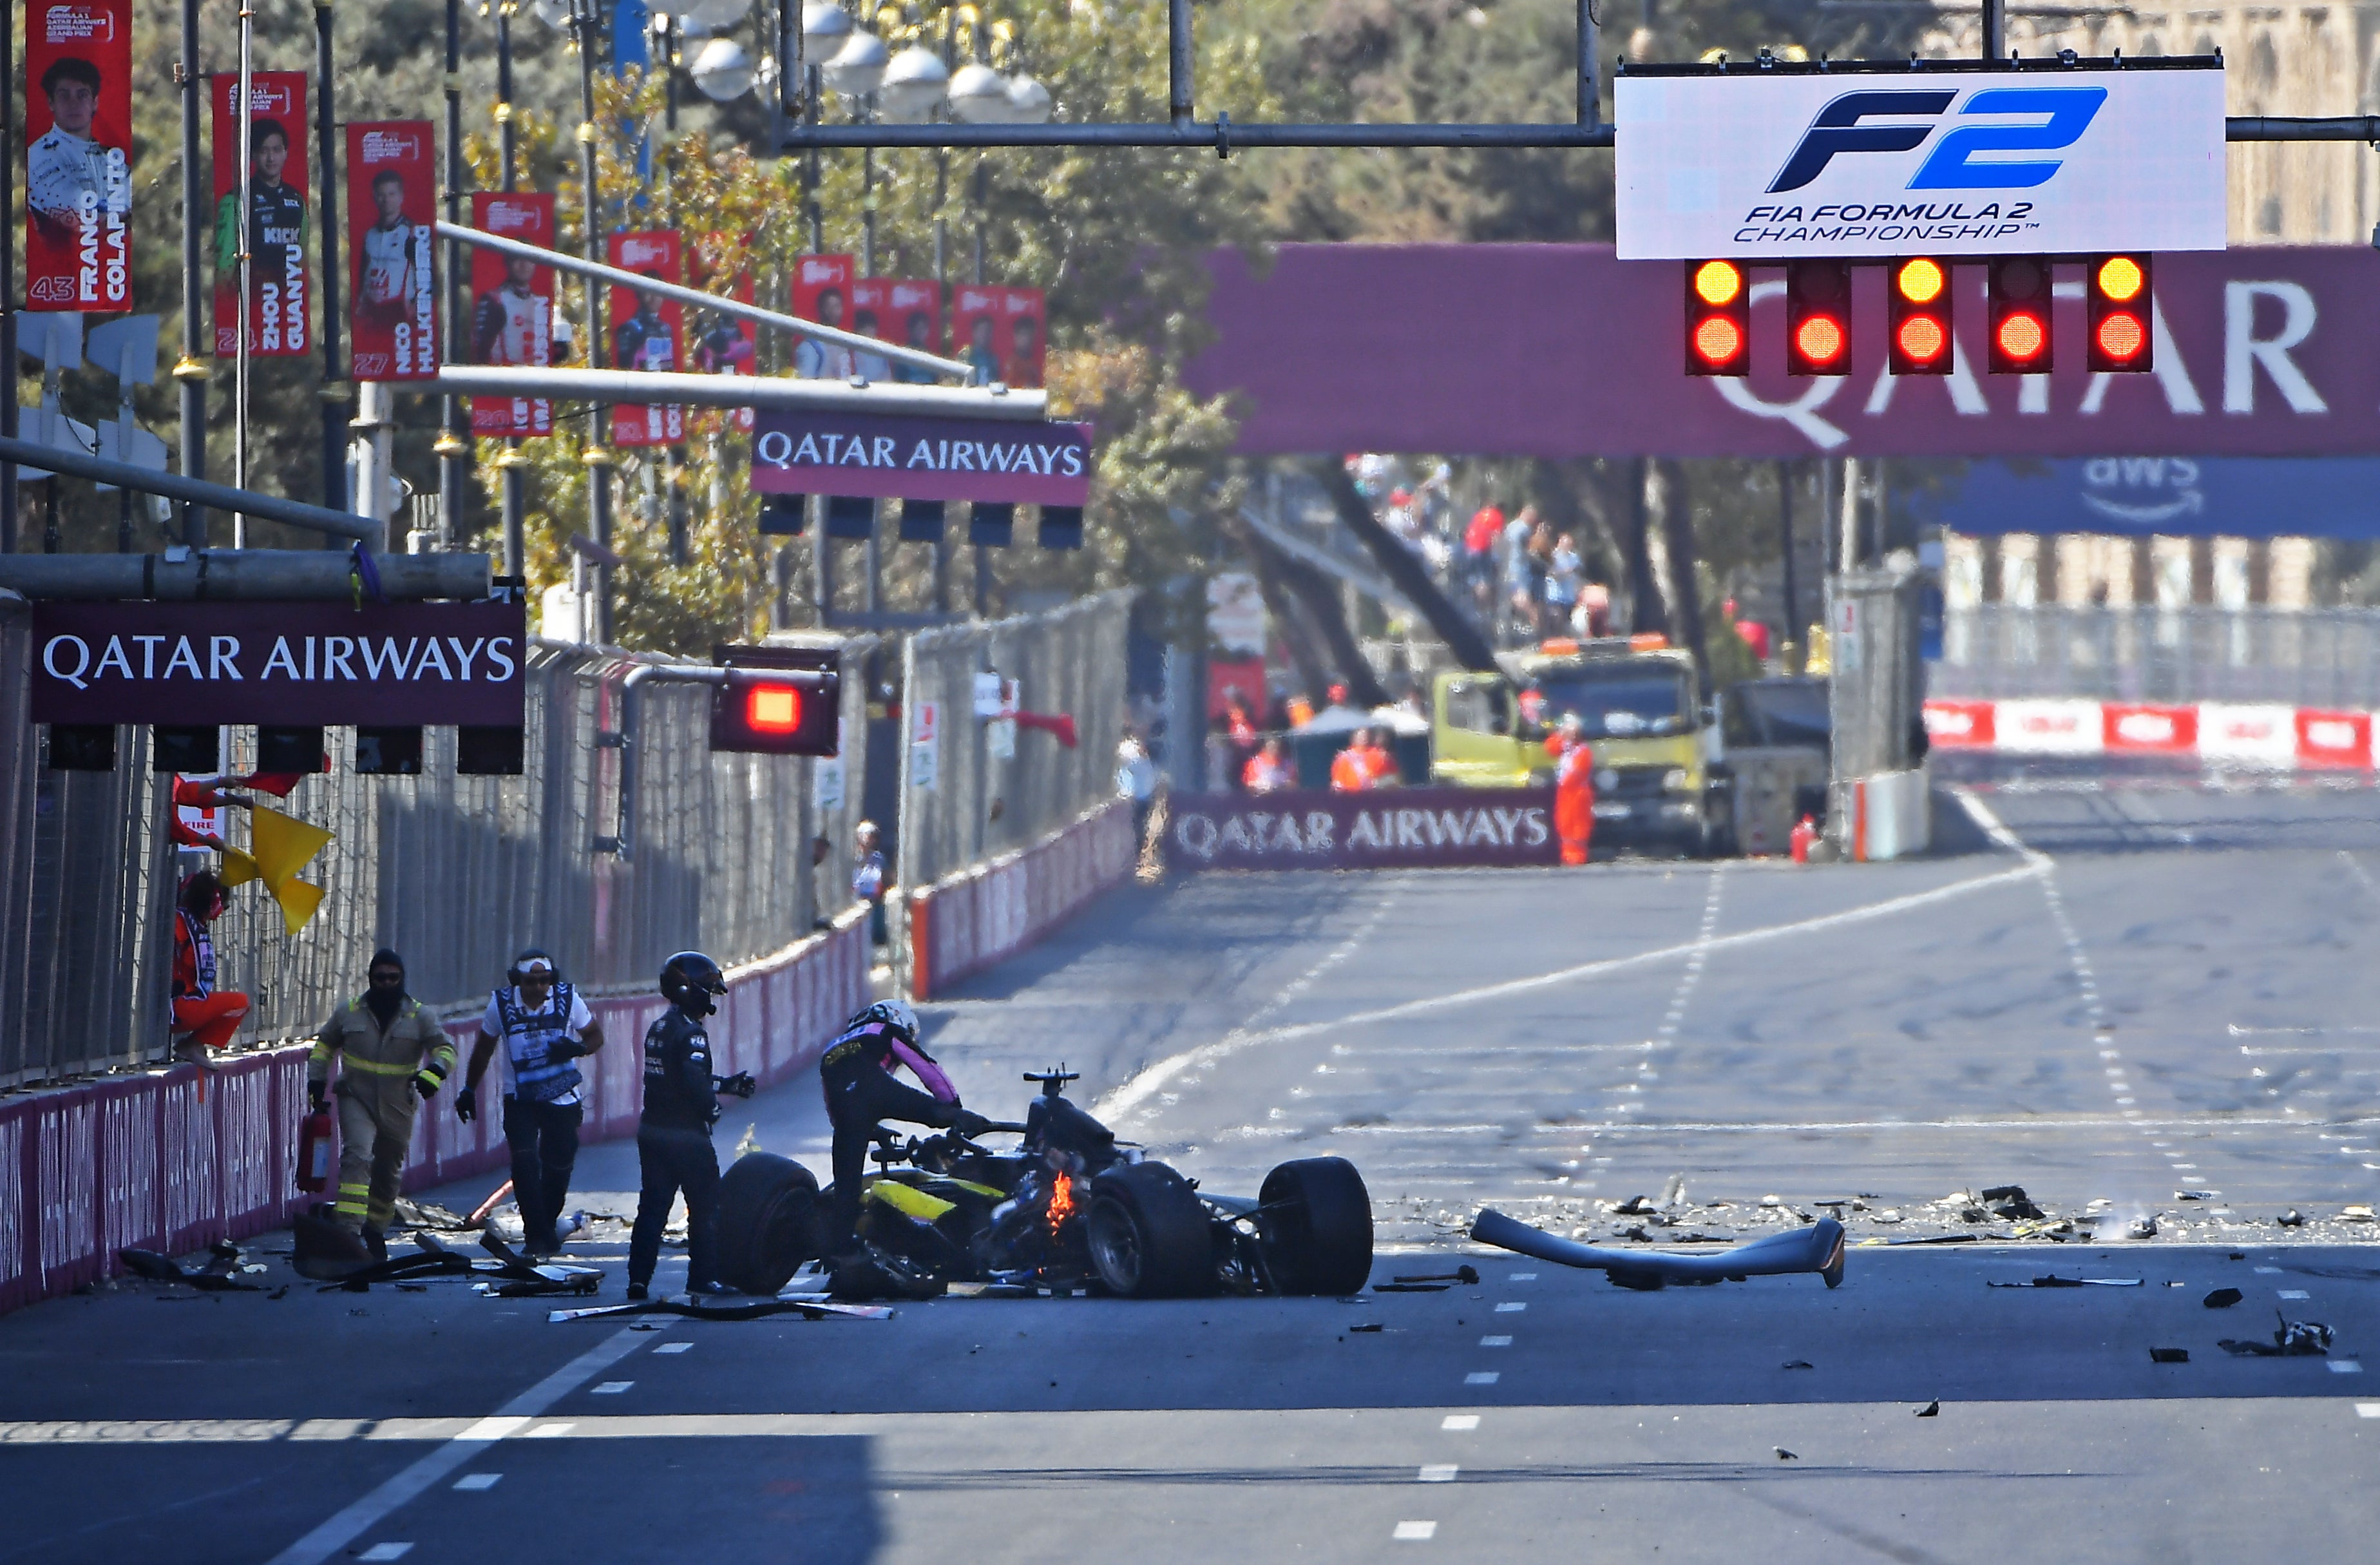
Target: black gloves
x=426, y=1083
x=314, y=1095
x=971, y=1124
x=738, y=1085
x=566, y=1048
x=467, y=1106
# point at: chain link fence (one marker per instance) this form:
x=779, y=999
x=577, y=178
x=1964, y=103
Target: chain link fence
x=973, y=792
x=2310, y=657
x=455, y=872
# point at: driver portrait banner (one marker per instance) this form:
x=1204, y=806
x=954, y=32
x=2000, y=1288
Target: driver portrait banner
x=645, y=334
x=511, y=308
x=277, y=187
x=78, y=156
x=1380, y=828
x=392, y=197
x=723, y=344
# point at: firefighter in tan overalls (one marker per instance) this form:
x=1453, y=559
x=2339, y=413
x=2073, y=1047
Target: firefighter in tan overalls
x=395, y=1054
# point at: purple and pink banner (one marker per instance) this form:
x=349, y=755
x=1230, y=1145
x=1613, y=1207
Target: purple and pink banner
x=1563, y=350
x=919, y=458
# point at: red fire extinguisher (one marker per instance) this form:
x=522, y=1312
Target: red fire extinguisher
x=314, y=1151
x=1804, y=835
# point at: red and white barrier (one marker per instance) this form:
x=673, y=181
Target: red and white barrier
x=163, y=1161
x=2221, y=733
x=965, y=923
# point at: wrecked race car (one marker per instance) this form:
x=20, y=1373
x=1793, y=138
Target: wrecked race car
x=1069, y=1208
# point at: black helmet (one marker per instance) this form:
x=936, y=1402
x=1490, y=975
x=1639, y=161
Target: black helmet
x=690, y=979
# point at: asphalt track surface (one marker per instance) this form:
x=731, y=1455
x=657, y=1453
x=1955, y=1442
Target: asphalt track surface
x=2135, y=991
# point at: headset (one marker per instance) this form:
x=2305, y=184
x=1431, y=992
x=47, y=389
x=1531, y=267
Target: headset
x=515, y=976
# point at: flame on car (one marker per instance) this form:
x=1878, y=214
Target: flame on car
x=1061, y=1201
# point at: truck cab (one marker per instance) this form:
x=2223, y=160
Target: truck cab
x=1640, y=702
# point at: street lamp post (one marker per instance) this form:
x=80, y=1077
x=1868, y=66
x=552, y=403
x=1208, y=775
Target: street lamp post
x=585, y=26
x=509, y=465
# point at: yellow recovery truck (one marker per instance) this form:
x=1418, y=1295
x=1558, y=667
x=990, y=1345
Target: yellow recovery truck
x=1655, y=782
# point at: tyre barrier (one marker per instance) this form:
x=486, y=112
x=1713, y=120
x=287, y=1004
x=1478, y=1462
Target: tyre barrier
x=163, y=1160
x=968, y=921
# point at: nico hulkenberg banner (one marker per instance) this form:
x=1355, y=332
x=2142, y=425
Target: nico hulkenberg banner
x=1944, y=162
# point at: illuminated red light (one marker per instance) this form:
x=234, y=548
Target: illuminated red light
x=1820, y=340
x=2022, y=335
x=1922, y=338
x=774, y=709
x=2120, y=336
x=1718, y=339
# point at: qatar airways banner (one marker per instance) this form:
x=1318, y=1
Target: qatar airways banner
x=392, y=202
x=283, y=664
x=1564, y=351
x=78, y=156
x=920, y=458
x=1778, y=161
x=1383, y=829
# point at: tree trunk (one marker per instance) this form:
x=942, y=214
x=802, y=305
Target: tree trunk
x=1404, y=570
x=1319, y=594
x=1673, y=530
x=1288, y=617
x=1637, y=542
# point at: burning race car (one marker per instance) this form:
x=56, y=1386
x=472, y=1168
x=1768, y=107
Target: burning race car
x=1072, y=1208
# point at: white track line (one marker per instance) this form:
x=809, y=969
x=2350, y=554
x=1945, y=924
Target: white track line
x=1151, y=1080
x=333, y=1535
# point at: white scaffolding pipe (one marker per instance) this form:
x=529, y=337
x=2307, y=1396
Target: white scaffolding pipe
x=773, y=393
x=892, y=352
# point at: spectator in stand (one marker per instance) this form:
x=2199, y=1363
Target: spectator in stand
x=1267, y=770
x=1593, y=616
x=1479, y=543
x=1379, y=766
x=1235, y=715
x=1561, y=582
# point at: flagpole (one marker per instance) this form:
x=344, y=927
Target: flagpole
x=246, y=220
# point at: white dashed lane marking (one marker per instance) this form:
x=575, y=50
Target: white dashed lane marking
x=472, y=1481
x=2295, y=1294
x=1480, y=1378
x=1510, y=1309
x=1494, y=1342
x=673, y=1347
x=1415, y=1532
x=1439, y=1472
x=2345, y=1366
x=386, y=1551
x=2367, y=1410
x=612, y=1387
x=1464, y=1422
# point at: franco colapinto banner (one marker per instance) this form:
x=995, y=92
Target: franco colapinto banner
x=886, y=457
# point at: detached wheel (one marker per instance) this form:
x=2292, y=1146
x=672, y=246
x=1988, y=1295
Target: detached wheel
x=766, y=1206
x=1149, y=1234
x=1314, y=1219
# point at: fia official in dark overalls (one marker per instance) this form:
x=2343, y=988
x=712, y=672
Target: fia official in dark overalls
x=674, y=1150
x=544, y=1029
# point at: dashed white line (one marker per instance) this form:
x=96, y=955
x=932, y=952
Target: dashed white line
x=2345, y=1366
x=612, y=1387
x=1415, y=1532
x=673, y=1347
x=1439, y=1472
x=2295, y=1294
x=386, y=1551
x=1480, y=1378
x=1494, y=1342
x=1462, y=1423
x=1510, y=1307
x=472, y=1482
x=2367, y=1410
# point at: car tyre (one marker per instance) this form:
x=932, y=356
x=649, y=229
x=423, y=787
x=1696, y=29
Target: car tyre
x=767, y=1207
x=1149, y=1235
x=1314, y=1220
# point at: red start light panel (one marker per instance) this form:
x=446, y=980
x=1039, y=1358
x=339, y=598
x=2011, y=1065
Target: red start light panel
x=774, y=709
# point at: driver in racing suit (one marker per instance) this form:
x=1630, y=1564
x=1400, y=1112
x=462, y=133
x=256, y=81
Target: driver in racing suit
x=860, y=1091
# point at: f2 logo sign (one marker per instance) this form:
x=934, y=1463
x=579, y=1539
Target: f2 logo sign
x=2066, y=113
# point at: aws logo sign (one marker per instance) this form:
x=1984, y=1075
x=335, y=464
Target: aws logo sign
x=1964, y=156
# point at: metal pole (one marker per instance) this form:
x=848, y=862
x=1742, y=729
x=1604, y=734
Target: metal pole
x=246, y=220
x=982, y=557
x=515, y=547
x=190, y=370
x=8, y=281
x=669, y=72
x=1995, y=29
x=333, y=391
x=1792, y=638
x=1182, y=62
x=1590, y=109
x=597, y=456
x=1847, y=529
x=453, y=446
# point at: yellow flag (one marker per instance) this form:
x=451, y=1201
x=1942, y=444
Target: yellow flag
x=283, y=845
x=238, y=869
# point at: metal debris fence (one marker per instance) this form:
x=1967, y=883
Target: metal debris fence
x=2326, y=657
x=972, y=793
x=455, y=872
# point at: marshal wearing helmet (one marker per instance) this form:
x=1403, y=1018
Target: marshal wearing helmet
x=673, y=1148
